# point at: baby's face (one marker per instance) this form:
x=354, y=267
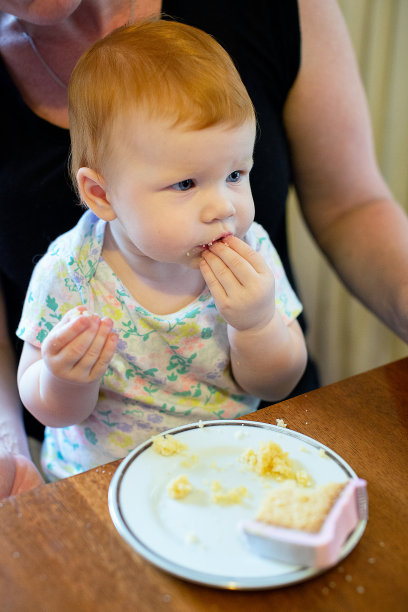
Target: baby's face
x=175, y=191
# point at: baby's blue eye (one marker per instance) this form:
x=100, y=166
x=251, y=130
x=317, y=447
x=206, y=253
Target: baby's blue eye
x=184, y=185
x=234, y=176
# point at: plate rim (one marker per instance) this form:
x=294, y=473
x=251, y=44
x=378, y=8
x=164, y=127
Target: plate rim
x=207, y=578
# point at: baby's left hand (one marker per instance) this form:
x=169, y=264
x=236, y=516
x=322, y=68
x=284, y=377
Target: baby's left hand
x=241, y=283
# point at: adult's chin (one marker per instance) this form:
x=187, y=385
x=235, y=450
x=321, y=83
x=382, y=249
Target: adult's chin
x=42, y=12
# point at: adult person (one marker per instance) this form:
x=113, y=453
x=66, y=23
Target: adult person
x=300, y=72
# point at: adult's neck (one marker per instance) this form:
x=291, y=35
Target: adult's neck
x=60, y=37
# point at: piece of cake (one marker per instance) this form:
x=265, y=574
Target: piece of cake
x=299, y=508
x=307, y=527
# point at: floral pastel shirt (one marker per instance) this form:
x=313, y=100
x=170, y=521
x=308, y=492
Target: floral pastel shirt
x=168, y=370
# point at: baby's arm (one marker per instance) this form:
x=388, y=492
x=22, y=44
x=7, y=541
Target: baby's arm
x=59, y=383
x=268, y=357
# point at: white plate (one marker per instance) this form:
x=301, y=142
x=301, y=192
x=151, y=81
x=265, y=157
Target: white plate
x=194, y=538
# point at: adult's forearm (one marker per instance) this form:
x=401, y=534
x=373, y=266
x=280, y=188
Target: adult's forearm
x=12, y=434
x=368, y=247
x=13, y=438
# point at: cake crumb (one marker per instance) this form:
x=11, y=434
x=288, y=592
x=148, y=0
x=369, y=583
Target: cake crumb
x=371, y=560
x=303, y=478
x=360, y=589
x=189, y=461
x=270, y=460
x=168, y=445
x=322, y=453
x=240, y=434
x=227, y=497
x=325, y=590
x=179, y=487
x=281, y=423
x=348, y=578
x=192, y=538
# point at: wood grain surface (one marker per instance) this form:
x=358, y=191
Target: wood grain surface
x=60, y=552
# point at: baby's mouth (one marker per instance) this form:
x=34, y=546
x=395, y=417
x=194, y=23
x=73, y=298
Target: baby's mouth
x=209, y=244
x=219, y=239
x=204, y=247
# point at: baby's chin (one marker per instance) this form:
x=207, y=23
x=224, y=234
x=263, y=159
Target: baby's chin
x=192, y=261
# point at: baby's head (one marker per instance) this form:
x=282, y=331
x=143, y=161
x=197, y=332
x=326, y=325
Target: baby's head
x=161, y=70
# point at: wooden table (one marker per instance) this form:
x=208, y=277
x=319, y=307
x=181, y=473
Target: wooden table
x=59, y=550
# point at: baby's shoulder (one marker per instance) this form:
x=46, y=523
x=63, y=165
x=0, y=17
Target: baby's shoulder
x=73, y=254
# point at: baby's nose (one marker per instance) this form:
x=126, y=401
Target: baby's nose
x=217, y=207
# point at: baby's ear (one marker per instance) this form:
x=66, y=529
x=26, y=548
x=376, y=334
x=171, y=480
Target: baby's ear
x=93, y=193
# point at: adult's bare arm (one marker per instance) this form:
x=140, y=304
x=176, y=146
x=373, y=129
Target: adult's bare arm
x=344, y=199
x=17, y=472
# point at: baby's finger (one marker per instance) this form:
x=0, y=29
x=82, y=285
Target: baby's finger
x=230, y=267
x=216, y=289
x=105, y=357
x=243, y=249
x=76, y=312
x=67, y=332
x=221, y=272
x=93, y=351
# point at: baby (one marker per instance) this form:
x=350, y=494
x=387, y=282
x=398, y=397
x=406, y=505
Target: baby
x=167, y=303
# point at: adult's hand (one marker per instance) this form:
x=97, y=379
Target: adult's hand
x=17, y=474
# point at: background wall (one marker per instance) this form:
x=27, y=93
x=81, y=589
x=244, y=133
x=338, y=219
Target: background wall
x=343, y=336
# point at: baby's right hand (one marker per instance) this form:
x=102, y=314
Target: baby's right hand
x=79, y=348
